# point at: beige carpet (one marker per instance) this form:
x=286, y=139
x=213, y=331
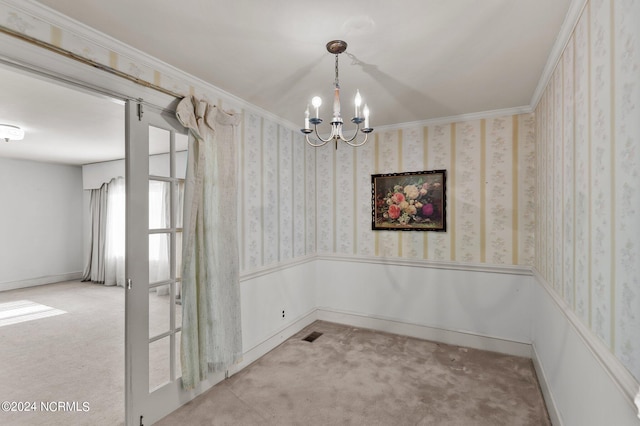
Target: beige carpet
x=347, y=376
x=351, y=376
x=74, y=357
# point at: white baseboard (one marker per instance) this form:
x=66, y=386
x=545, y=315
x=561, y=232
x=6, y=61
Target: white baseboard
x=386, y=325
x=33, y=282
x=552, y=407
x=457, y=338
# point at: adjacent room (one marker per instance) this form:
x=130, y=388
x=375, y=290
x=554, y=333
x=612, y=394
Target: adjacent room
x=62, y=266
x=484, y=197
x=57, y=331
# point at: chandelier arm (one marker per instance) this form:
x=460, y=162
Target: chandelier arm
x=316, y=145
x=331, y=136
x=317, y=135
x=355, y=135
x=355, y=145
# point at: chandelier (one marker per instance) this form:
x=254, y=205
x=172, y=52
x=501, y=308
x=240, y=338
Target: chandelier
x=361, y=116
x=9, y=132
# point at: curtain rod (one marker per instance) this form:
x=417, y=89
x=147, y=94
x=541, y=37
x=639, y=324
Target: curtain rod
x=87, y=61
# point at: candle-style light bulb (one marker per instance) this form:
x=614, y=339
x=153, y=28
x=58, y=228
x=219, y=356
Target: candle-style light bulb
x=306, y=118
x=365, y=111
x=316, y=102
x=358, y=102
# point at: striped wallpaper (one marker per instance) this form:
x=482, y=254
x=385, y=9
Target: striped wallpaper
x=297, y=200
x=588, y=161
x=490, y=167
x=277, y=203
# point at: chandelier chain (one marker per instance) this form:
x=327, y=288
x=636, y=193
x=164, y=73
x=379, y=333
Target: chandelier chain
x=337, y=82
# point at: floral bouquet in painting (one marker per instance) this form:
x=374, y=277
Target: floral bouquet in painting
x=409, y=201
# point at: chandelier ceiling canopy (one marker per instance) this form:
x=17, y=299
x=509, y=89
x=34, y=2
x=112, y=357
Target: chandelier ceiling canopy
x=9, y=132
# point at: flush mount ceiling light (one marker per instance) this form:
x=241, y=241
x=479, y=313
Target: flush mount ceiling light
x=361, y=116
x=9, y=132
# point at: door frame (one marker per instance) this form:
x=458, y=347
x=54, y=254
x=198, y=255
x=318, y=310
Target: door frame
x=22, y=55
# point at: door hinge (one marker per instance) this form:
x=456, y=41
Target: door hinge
x=141, y=424
x=128, y=283
x=140, y=111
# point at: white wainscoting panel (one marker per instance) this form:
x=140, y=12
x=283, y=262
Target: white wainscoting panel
x=289, y=288
x=483, y=303
x=582, y=381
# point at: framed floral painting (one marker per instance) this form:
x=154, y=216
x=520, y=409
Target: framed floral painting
x=411, y=201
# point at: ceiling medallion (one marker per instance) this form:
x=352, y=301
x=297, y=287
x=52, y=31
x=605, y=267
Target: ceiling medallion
x=9, y=132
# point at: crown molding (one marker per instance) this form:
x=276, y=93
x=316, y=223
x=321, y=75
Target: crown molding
x=68, y=25
x=83, y=31
x=562, y=39
x=525, y=109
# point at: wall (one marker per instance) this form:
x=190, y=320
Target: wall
x=40, y=223
x=490, y=191
x=273, y=301
x=488, y=308
x=453, y=286
x=588, y=199
x=276, y=199
x=580, y=387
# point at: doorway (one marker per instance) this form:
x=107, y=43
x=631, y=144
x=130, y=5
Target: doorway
x=62, y=340
x=158, y=112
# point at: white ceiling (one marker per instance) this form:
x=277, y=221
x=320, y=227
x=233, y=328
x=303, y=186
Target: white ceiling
x=412, y=60
x=62, y=125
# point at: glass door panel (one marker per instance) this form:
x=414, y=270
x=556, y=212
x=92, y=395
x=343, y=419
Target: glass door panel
x=159, y=363
x=165, y=220
x=164, y=304
x=160, y=257
x=178, y=260
x=159, y=152
x=159, y=311
x=159, y=204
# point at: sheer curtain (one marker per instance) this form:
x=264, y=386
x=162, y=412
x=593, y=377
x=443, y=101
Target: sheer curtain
x=211, y=330
x=115, y=244
x=107, y=249
x=105, y=264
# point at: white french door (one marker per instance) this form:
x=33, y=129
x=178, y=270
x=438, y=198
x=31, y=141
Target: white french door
x=156, y=150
